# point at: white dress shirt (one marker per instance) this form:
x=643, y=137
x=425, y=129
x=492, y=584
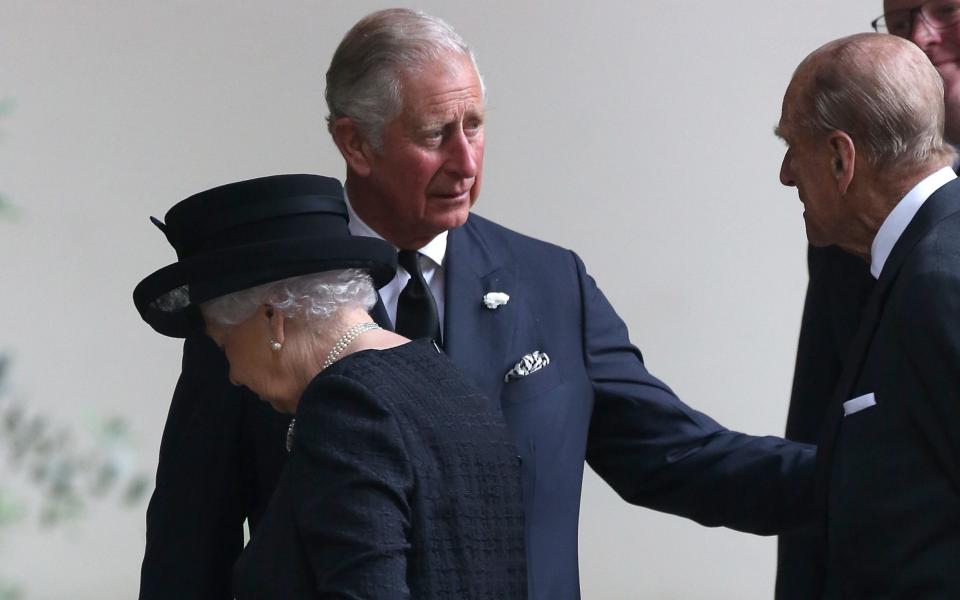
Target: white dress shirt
x=431, y=262
x=896, y=222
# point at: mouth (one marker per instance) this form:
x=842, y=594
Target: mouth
x=452, y=196
x=941, y=63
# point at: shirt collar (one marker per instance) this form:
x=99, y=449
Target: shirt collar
x=435, y=249
x=901, y=215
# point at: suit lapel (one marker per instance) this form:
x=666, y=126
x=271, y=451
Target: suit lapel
x=475, y=337
x=937, y=207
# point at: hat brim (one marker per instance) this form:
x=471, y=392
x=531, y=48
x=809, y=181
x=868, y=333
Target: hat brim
x=242, y=267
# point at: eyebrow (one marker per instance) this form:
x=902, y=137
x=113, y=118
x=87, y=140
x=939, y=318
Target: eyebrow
x=777, y=131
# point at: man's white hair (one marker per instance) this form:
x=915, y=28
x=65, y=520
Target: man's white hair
x=884, y=93
x=364, y=78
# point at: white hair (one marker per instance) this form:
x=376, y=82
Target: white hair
x=884, y=93
x=363, y=81
x=315, y=297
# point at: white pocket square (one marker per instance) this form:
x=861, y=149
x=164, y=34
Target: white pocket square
x=530, y=363
x=859, y=403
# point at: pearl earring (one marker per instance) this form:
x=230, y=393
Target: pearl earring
x=275, y=345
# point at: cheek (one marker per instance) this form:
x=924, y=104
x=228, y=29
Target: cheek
x=410, y=180
x=236, y=369
x=242, y=367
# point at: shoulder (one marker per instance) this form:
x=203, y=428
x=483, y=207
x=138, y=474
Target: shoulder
x=519, y=250
x=488, y=230
x=387, y=378
x=928, y=286
x=837, y=266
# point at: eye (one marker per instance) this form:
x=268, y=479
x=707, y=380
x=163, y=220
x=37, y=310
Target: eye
x=900, y=28
x=945, y=13
x=472, y=127
x=899, y=23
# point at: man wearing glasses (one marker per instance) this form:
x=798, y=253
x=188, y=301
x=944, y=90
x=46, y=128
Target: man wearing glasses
x=840, y=283
x=934, y=26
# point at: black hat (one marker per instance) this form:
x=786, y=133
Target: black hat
x=248, y=233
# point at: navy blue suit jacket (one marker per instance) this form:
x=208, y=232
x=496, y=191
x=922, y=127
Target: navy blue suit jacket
x=594, y=401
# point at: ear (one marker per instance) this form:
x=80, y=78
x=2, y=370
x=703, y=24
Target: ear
x=353, y=145
x=843, y=155
x=275, y=322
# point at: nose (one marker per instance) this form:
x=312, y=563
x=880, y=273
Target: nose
x=786, y=174
x=462, y=156
x=921, y=33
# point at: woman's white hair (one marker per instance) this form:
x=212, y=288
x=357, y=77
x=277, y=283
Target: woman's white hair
x=314, y=297
x=363, y=81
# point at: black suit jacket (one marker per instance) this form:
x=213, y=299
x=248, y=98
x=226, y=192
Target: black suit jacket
x=402, y=483
x=594, y=401
x=840, y=284
x=889, y=473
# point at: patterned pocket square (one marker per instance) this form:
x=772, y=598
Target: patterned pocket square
x=530, y=363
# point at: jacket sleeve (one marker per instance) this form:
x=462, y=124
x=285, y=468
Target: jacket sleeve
x=657, y=452
x=353, y=478
x=195, y=517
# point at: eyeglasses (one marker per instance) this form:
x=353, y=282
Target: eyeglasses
x=937, y=14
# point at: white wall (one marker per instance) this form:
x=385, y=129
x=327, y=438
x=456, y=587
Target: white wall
x=637, y=133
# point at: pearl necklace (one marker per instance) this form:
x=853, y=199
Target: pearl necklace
x=345, y=340
x=338, y=347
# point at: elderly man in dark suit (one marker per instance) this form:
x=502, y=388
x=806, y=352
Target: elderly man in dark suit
x=840, y=283
x=863, y=120
x=521, y=317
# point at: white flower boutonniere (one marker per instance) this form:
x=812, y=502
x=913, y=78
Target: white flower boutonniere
x=494, y=300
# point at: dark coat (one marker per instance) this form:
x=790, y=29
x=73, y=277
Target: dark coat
x=840, y=284
x=594, y=401
x=889, y=473
x=402, y=482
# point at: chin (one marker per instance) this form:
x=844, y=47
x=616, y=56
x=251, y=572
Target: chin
x=281, y=406
x=452, y=219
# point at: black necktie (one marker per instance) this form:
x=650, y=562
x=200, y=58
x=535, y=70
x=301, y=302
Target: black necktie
x=416, y=309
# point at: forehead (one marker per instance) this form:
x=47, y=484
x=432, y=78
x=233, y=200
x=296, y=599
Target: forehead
x=448, y=86
x=892, y=5
x=791, y=99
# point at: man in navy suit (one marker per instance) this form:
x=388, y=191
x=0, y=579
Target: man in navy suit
x=840, y=283
x=521, y=317
x=863, y=120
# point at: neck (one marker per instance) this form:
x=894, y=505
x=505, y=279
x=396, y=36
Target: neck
x=314, y=344
x=339, y=339
x=876, y=202
x=374, y=212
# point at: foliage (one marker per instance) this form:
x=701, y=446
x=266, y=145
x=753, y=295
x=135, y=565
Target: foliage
x=50, y=474
x=60, y=476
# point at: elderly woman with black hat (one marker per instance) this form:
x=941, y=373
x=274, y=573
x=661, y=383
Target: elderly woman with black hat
x=402, y=481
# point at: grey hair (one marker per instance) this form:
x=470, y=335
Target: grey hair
x=314, y=297
x=363, y=81
x=884, y=93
